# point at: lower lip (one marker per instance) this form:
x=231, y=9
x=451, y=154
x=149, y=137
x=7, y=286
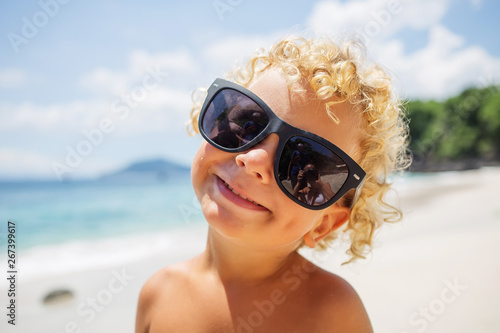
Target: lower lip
x=236, y=199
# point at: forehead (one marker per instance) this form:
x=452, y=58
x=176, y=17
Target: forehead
x=303, y=110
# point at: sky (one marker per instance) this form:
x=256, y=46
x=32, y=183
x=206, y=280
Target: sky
x=87, y=87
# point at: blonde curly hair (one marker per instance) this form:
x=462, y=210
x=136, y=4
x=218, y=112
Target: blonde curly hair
x=339, y=70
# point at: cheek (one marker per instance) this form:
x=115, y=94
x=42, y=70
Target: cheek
x=197, y=160
x=199, y=169
x=297, y=221
x=202, y=177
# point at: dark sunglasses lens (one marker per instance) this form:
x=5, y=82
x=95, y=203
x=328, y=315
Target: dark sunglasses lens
x=232, y=119
x=311, y=172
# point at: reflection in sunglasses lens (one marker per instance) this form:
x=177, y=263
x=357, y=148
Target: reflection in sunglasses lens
x=233, y=119
x=311, y=172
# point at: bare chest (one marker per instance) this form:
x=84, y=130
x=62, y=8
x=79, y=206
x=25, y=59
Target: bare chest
x=215, y=309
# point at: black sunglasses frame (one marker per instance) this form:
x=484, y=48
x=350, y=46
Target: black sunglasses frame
x=284, y=131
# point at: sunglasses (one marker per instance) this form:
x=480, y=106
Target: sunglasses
x=310, y=170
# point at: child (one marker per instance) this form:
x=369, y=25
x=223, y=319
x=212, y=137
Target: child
x=312, y=94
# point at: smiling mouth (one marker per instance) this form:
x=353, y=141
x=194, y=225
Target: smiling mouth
x=241, y=196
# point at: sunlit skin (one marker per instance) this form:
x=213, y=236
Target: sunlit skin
x=250, y=277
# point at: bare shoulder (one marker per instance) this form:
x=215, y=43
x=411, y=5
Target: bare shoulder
x=161, y=286
x=338, y=304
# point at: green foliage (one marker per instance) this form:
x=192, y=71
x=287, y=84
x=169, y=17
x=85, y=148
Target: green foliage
x=462, y=127
x=425, y=119
x=489, y=118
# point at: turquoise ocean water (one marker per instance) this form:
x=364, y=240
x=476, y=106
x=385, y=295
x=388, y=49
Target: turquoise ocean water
x=51, y=213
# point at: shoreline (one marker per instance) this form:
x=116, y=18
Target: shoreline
x=420, y=165
x=76, y=256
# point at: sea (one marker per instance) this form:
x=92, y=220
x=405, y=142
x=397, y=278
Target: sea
x=56, y=220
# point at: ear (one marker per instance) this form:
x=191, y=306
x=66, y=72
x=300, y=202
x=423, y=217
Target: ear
x=333, y=219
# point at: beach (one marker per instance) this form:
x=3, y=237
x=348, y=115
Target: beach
x=435, y=271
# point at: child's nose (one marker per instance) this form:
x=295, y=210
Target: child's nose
x=259, y=161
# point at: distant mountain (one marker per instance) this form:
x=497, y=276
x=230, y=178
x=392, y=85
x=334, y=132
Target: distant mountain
x=156, y=170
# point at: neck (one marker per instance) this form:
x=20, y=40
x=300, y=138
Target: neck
x=238, y=263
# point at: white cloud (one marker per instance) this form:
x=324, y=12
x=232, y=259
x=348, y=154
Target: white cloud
x=421, y=14
x=58, y=116
x=160, y=109
x=142, y=90
x=225, y=53
x=444, y=67
x=44, y=118
x=338, y=17
x=178, y=61
x=178, y=101
x=103, y=81
x=12, y=78
x=164, y=109
x=375, y=18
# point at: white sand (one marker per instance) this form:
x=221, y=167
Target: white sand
x=450, y=235
x=435, y=272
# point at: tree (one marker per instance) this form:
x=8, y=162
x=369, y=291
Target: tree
x=462, y=127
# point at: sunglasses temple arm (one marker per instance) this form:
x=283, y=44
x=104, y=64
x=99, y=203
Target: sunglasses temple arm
x=357, y=192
